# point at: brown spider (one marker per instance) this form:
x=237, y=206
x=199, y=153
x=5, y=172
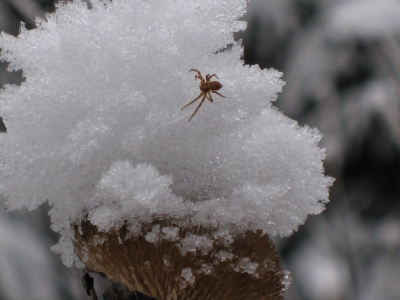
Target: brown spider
x=206, y=87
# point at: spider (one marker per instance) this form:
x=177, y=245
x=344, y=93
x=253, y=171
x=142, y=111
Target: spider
x=206, y=87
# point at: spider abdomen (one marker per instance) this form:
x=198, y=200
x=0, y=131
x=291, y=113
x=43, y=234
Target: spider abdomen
x=213, y=86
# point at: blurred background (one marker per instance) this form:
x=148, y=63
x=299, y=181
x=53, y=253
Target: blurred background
x=341, y=65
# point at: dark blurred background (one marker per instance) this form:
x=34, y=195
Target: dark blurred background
x=341, y=65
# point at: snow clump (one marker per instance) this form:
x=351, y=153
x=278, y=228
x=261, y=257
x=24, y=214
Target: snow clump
x=97, y=131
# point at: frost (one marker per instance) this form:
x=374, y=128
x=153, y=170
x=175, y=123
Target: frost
x=98, y=239
x=165, y=233
x=96, y=128
x=170, y=233
x=287, y=279
x=154, y=235
x=224, y=256
x=206, y=269
x=194, y=243
x=245, y=265
x=187, y=278
x=222, y=236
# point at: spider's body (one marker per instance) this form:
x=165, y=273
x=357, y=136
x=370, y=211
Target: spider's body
x=206, y=87
x=210, y=86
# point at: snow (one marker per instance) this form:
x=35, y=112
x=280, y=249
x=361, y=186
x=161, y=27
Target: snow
x=96, y=128
x=187, y=277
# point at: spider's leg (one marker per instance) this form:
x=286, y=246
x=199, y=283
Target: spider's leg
x=197, y=76
x=202, y=100
x=201, y=79
x=208, y=77
x=201, y=94
x=218, y=94
x=194, y=70
x=209, y=97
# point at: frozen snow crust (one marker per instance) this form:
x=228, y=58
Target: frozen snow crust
x=96, y=128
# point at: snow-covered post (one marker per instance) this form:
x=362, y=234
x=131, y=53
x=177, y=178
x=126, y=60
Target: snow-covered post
x=167, y=207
